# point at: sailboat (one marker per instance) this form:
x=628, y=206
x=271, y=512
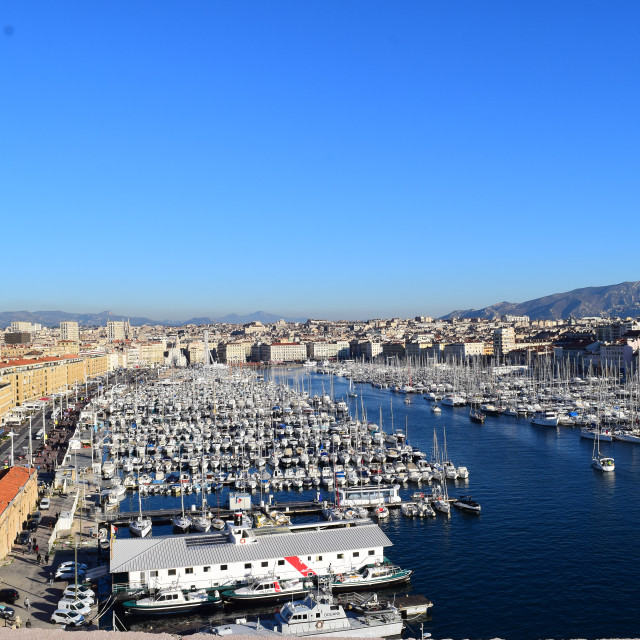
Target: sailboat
x=181, y=522
x=202, y=523
x=141, y=527
x=600, y=462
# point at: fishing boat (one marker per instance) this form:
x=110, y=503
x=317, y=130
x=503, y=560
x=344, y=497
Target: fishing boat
x=375, y=576
x=318, y=616
x=172, y=600
x=475, y=415
x=267, y=590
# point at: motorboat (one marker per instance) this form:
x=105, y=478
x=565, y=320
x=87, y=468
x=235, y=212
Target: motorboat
x=465, y=503
x=376, y=576
x=545, y=418
x=171, y=601
x=267, y=590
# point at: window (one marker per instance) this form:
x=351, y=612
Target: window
x=207, y=569
x=265, y=564
x=318, y=558
x=153, y=574
x=356, y=554
x=188, y=570
x=247, y=565
x=171, y=572
x=341, y=556
x=223, y=567
x=280, y=563
x=371, y=552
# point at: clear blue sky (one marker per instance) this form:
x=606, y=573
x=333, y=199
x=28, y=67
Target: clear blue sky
x=326, y=159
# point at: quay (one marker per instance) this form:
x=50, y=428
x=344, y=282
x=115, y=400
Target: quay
x=292, y=508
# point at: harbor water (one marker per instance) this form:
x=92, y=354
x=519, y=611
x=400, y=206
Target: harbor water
x=553, y=553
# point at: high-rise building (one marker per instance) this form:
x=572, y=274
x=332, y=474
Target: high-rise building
x=69, y=331
x=115, y=330
x=21, y=327
x=504, y=340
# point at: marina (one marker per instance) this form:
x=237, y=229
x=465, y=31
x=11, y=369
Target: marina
x=518, y=443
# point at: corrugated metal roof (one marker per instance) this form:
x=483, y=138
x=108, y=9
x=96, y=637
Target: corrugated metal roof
x=144, y=554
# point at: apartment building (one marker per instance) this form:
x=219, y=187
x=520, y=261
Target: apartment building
x=232, y=352
x=504, y=340
x=285, y=352
x=69, y=331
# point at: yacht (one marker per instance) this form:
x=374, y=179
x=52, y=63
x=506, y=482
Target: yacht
x=545, y=418
x=375, y=576
x=465, y=503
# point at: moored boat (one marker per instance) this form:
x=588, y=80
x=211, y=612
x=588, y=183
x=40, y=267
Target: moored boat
x=376, y=576
x=172, y=600
x=318, y=616
x=266, y=590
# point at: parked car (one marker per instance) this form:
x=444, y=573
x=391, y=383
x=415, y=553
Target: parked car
x=78, y=606
x=80, y=593
x=24, y=537
x=71, y=565
x=45, y=503
x=63, y=616
x=69, y=574
x=9, y=595
x=6, y=612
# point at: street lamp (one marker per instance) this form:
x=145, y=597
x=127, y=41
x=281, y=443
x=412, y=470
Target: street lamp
x=11, y=434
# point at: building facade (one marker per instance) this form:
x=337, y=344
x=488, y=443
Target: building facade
x=18, y=497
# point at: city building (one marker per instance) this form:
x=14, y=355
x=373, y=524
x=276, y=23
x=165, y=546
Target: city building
x=504, y=340
x=69, y=331
x=18, y=497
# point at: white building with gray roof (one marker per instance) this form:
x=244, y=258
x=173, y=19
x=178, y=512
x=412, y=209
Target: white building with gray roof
x=208, y=561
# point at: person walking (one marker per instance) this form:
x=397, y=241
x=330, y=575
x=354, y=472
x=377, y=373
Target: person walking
x=39, y=559
x=46, y=558
x=27, y=604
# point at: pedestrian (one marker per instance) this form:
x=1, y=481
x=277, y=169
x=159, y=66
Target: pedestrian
x=27, y=604
x=29, y=546
x=50, y=580
x=39, y=559
x=36, y=549
x=46, y=558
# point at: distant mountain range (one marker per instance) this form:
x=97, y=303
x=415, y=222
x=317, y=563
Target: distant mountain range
x=54, y=318
x=621, y=300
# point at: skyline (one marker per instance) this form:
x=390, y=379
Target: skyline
x=315, y=160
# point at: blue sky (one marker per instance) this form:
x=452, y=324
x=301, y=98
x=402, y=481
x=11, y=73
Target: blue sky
x=324, y=159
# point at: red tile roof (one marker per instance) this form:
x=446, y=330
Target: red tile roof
x=11, y=482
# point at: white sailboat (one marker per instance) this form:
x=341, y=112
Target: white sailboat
x=598, y=461
x=140, y=527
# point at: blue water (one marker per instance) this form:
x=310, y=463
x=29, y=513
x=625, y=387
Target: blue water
x=554, y=553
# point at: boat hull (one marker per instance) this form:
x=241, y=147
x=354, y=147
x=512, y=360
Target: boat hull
x=362, y=585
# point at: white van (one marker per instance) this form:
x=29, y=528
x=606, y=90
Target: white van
x=74, y=605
